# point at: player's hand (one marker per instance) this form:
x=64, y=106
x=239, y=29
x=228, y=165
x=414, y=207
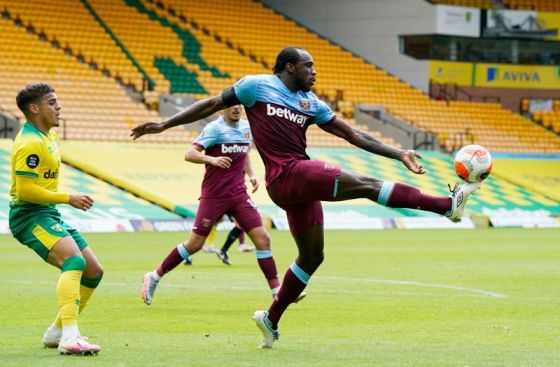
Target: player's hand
x=146, y=128
x=81, y=201
x=221, y=162
x=409, y=160
x=254, y=183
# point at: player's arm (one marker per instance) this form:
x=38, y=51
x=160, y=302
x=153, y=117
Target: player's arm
x=250, y=173
x=195, y=112
x=29, y=192
x=363, y=140
x=195, y=155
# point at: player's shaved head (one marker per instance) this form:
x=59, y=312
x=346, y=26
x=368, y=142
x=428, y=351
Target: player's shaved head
x=288, y=55
x=32, y=93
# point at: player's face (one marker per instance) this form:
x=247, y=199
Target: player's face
x=304, y=74
x=48, y=110
x=233, y=113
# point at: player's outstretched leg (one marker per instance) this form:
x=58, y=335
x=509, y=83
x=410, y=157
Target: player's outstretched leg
x=398, y=195
x=179, y=254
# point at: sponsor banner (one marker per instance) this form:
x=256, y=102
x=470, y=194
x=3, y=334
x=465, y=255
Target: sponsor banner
x=457, y=21
x=495, y=75
x=541, y=105
x=521, y=218
x=448, y=72
x=432, y=222
x=101, y=225
x=347, y=219
x=517, y=76
x=165, y=225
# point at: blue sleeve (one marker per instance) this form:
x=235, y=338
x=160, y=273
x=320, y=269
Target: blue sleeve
x=246, y=90
x=208, y=136
x=324, y=113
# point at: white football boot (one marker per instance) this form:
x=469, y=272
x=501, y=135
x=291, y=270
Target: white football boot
x=269, y=334
x=78, y=346
x=149, y=288
x=459, y=195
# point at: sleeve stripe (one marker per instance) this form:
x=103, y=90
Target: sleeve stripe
x=28, y=174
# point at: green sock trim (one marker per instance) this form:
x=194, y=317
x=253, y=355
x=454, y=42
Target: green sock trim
x=73, y=263
x=90, y=282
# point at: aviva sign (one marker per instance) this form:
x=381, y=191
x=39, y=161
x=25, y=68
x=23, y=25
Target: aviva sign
x=517, y=76
x=495, y=75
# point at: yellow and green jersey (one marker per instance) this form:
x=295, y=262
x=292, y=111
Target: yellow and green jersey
x=37, y=155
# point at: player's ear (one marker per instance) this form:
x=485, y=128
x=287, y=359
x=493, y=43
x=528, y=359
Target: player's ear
x=33, y=108
x=290, y=68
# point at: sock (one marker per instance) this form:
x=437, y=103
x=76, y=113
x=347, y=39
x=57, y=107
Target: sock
x=295, y=281
x=68, y=292
x=232, y=236
x=242, y=238
x=268, y=267
x=403, y=196
x=87, y=287
x=175, y=257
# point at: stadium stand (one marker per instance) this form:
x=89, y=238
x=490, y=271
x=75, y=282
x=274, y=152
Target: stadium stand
x=483, y=4
x=359, y=81
x=95, y=107
x=90, y=42
x=542, y=5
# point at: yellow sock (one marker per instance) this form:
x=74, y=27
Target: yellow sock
x=211, y=236
x=85, y=295
x=68, y=292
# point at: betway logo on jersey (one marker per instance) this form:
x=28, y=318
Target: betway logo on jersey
x=234, y=148
x=287, y=114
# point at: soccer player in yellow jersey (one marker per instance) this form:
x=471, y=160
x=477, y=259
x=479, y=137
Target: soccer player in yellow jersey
x=35, y=222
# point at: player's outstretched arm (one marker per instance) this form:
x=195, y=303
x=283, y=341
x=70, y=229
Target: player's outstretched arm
x=30, y=192
x=195, y=112
x=195, y=155
x=363, y=140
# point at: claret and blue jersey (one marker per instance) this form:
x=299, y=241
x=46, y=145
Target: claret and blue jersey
x=279, y=119
x=219, y=139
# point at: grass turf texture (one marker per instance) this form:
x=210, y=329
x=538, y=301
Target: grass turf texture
x=385, y=298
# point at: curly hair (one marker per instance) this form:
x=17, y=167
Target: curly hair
x=288, y=55
x=32, y=93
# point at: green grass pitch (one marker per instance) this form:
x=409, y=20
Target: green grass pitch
x=382, y=298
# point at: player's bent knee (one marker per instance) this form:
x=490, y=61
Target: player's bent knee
x=76, y=262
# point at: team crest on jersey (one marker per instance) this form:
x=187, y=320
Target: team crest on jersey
x=329, y=166
x=205, y=222
x=56, y=227
x=246, y=135
x=305, y=104
x=32, y=161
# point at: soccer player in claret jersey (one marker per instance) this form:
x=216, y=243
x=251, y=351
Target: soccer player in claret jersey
x=35, y=222
x=280, y=108
x=226, y=142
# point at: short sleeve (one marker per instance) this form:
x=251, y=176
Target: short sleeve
x=207, y=137
x=324, y=113
x=28, y=158
x=246, y=90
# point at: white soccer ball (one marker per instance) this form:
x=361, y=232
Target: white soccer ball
x=473, y=163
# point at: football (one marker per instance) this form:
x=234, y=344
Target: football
x=473, y=163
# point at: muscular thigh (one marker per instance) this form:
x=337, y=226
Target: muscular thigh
x=305, y=182
x=302, y=217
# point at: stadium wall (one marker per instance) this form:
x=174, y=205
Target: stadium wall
x=369, y=29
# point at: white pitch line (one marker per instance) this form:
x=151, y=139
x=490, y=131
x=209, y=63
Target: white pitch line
x=319, y=279
x=420, y=284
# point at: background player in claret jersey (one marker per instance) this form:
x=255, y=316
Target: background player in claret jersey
x=35, y=222
x=280, y=108
x=226, y=142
